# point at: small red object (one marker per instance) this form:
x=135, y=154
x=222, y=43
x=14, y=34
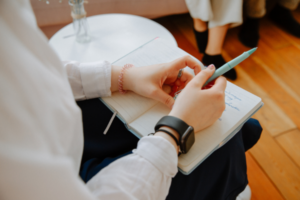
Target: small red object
x=209, y=85
x=174, y=90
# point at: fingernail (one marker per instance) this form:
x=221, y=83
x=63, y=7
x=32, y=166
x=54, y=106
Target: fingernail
x=211, y=66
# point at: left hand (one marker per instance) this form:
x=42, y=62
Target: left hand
x=157, y=81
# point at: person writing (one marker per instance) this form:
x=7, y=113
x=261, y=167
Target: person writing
x=41, y=125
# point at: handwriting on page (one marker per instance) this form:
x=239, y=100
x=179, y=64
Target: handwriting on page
x=232, y=100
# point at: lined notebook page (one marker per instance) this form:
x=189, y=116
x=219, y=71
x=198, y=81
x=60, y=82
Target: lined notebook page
x=131, y=105
x=240, y=104
x=145, y=123
x=155, y=52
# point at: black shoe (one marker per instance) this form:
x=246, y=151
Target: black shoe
x=201, y=38
x=284, y=18
x=249, y=34
x=218, y=61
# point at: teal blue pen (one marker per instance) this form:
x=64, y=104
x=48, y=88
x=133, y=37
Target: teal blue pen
x=231, y=64
x=225, y=68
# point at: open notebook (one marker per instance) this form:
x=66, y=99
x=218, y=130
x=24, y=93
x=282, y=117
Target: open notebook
x=140, y=114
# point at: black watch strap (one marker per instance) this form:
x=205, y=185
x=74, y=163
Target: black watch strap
x=186, y=132
x=170, y=134
x=173, y=122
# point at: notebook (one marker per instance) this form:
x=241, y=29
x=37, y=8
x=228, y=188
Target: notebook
x=140, y=114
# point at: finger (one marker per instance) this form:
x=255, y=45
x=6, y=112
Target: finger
x=167, y=89
x=186, y=77
x=220, y=84
x=178, y=82
x=201, y=78
x=163, y=97
x=209, y=85
x=186, y=61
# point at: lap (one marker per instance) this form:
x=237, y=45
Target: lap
x=221, y=176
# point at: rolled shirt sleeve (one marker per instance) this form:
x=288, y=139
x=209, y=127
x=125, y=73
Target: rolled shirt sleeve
x=89, y=80
x=145, y=174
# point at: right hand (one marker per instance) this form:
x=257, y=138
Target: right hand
x=201, y=108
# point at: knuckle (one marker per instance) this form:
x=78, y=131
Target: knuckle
x=153, y=92
x=222, y=78
x=192, y=83
x=205, y=73
x=186, y=57
x=220, y=96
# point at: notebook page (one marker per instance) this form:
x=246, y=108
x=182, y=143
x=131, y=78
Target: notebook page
x=239, y=105
x=145, y=123
x=131, y=105
x=154, y=52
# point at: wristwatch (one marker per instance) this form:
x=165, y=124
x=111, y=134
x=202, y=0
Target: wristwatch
x=186, y=132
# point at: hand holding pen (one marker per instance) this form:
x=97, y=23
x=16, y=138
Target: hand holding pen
x=223, y=69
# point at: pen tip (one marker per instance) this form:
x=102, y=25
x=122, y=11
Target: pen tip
x=251, y=50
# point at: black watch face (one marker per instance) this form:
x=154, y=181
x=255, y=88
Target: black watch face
x=187, y=140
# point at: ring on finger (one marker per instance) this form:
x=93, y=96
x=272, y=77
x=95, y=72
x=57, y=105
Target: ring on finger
x=179, y=73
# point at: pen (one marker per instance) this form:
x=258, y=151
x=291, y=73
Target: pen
x=231, y=64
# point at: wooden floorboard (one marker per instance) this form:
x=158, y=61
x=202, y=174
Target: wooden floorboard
x=261, y=186
x=290, y=142
x=271, y=115
x=279, y=167
x=263, y=79
x=269, y=34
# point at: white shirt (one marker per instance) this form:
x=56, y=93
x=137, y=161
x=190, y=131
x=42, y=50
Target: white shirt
x=41, y=135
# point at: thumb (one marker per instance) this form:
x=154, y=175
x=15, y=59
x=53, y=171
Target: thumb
x=200, y=79
x=163, y=97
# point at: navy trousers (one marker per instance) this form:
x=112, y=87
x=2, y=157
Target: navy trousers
x=223, y=175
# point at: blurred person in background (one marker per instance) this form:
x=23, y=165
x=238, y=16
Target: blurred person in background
x=212, y=18
x=281, y=15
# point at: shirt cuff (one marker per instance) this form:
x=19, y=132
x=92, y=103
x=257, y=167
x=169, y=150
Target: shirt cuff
x=96, y=79
x=160, y=153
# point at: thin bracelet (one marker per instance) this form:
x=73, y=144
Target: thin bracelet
x=162, y=130
x=121, y=77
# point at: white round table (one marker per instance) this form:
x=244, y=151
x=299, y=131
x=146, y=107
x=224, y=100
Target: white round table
x=112, y=36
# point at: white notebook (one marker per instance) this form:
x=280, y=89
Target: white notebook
x=140, y=114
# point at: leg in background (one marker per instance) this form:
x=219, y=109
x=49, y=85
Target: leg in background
x=289, y=4
x=201, y=34
x=216, y=36
x=255, y=10
x=211, y=14
x=212, y=55
x=282, y=16
x=200, y=25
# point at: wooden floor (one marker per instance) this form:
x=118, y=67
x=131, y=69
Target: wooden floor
x=273, y=73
